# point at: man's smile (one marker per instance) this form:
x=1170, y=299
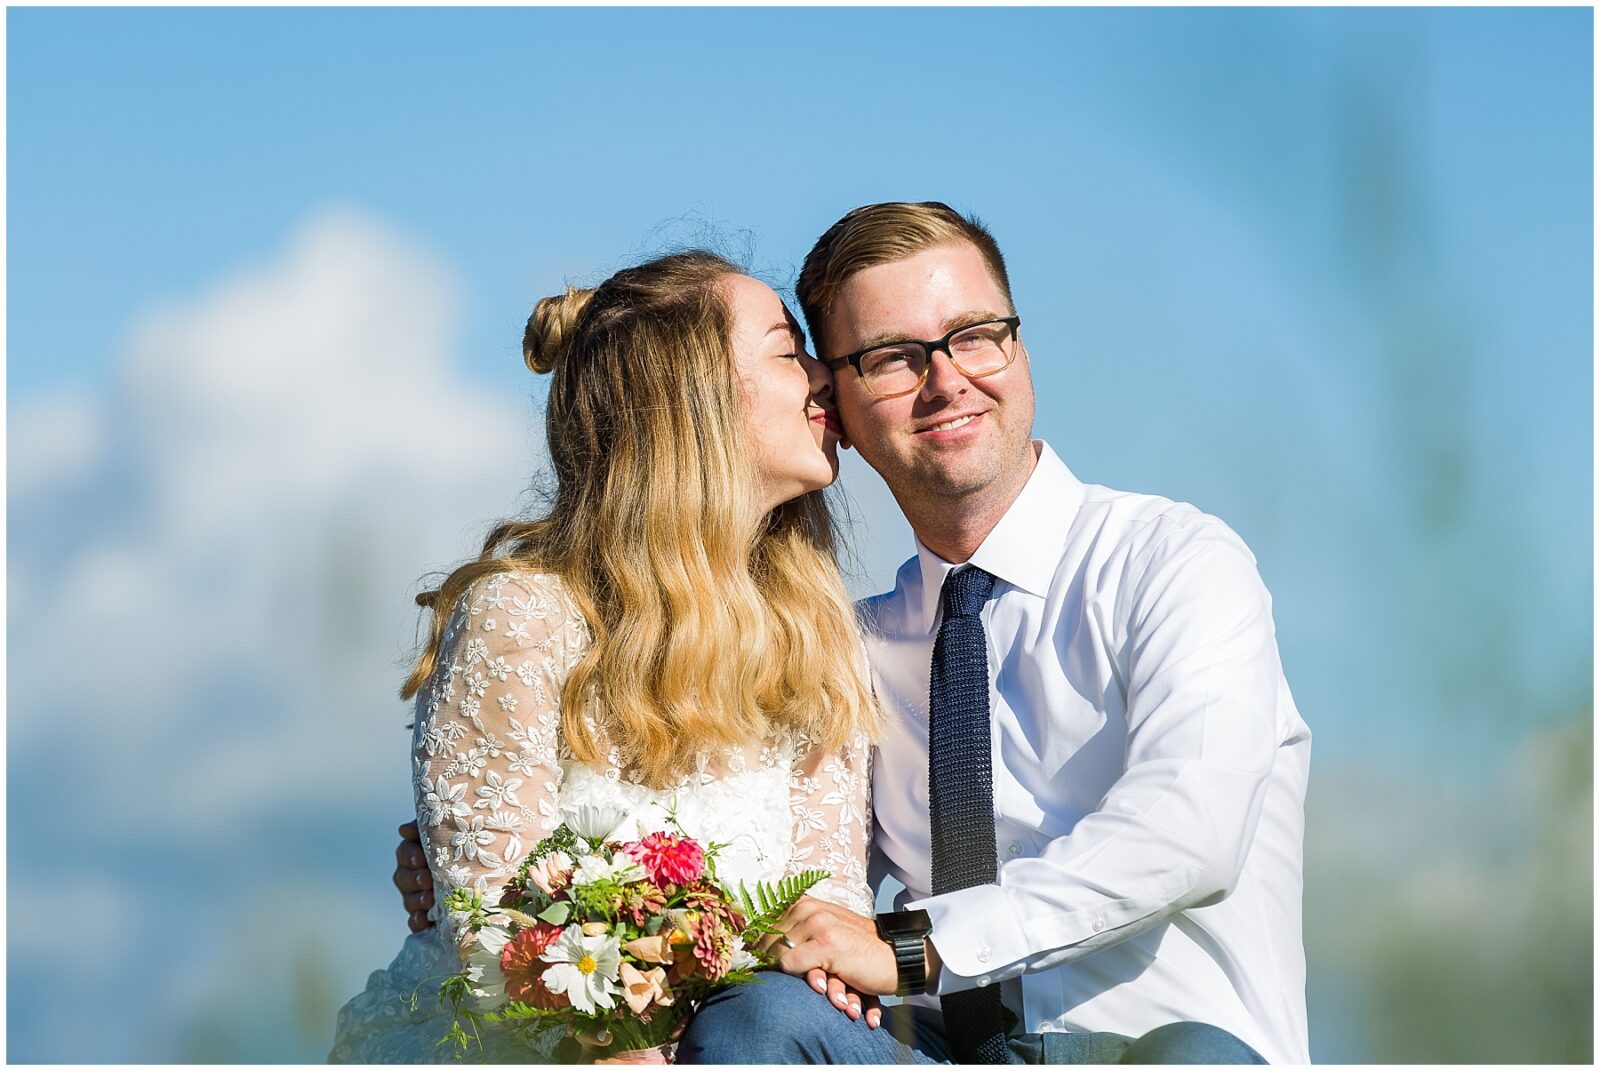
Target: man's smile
x=948, y=427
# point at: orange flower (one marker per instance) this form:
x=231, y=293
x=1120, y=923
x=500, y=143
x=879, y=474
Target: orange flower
x=641, y=989
x=520, y=961
x=650, y=949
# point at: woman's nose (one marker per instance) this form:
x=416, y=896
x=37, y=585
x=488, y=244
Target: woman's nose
x=819, y=377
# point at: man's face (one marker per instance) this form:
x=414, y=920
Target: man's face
x=957, y=440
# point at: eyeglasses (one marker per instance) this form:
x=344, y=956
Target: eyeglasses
x=897, y=368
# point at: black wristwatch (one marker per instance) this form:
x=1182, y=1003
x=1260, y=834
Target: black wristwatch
x=907, y=932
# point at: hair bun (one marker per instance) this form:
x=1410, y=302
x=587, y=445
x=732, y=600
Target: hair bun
x=549, y=332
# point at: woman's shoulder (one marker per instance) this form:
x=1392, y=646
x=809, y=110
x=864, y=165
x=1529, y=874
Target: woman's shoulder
x=515, y=601
x=516, y=587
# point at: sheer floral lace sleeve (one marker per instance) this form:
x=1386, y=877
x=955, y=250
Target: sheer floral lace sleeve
x=487, y=744
x=829, y=797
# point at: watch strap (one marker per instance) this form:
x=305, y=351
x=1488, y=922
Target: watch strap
x=911, y=964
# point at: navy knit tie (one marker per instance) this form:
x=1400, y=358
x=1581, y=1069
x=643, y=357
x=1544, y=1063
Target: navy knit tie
x=961, y=793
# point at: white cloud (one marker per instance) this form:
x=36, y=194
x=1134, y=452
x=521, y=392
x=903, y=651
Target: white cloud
x=329, y=364
x=224, y=542
x=56, y=440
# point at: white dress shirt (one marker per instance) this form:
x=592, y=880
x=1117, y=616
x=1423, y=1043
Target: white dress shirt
x=1149, y=771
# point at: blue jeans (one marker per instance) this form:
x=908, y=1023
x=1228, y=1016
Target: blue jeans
x=779, y=1019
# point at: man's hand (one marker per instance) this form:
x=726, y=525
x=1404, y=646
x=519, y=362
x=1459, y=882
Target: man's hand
x=413, y=878
x=840, y=943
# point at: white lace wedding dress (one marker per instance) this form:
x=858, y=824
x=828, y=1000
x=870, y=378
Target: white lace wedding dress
x=493, y=773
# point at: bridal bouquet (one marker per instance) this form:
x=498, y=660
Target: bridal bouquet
x=614, y=942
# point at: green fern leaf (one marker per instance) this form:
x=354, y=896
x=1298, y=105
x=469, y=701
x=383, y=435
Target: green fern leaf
x=766, y=904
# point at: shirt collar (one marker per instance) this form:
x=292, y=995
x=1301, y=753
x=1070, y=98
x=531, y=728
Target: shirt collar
x=1024, y=548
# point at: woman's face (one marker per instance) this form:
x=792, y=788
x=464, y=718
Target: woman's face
x=789, y=415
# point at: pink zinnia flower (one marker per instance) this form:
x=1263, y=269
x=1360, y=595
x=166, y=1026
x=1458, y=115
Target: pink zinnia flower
x=520, y=963
x=713, y=946
x=707, y=897
x=669, y=858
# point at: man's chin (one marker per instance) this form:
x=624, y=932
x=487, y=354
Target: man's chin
x=954, y=482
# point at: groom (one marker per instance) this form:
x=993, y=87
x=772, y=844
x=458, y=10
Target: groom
x=1092, y=774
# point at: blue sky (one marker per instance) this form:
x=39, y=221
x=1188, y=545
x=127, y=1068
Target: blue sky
x=1327, y=274
x=1187, y=187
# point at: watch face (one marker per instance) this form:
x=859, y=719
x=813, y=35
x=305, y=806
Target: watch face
x=905, y=923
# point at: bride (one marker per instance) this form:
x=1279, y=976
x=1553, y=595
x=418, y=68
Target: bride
x=673, y=636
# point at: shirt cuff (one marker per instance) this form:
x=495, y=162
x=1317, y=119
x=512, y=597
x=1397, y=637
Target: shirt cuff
x=979, y=939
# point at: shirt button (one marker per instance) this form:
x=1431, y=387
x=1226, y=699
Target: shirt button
x=1014, y=848
x=983, y=981
x=1046, y=1027
x=1099, y=923
x=984, y=952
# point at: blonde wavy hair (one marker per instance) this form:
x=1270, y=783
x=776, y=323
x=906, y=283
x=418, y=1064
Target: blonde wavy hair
x=711, y=624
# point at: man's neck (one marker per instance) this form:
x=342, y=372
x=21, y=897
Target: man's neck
x=954, y=529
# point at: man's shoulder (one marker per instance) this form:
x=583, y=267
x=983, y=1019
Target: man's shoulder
x=1142, y=524
x=1154, y=552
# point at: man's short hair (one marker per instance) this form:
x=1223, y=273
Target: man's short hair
x=881, y=234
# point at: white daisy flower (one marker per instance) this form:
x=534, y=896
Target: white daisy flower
x=620, y=867
x=584, y=968
x=742, y=959
x=591, y=819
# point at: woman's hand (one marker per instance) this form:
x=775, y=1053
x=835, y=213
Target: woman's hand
x=847, y=1000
